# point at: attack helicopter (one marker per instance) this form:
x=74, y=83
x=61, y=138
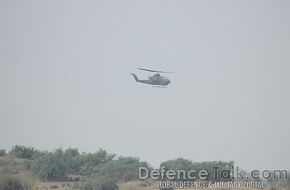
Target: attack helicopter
x=155, y=80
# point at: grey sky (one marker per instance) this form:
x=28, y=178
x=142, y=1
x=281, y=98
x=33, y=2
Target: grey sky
x=64, y=78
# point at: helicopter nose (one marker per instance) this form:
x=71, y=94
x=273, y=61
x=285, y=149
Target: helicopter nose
x=168, y=81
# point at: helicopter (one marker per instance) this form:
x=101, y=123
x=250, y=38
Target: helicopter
x=155, y=80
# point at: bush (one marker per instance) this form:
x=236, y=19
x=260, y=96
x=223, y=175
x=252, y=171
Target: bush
x=13, y=182
x=99, y=183
x=49, y=167
x=181, y=163
x=12, y=164
x=54, y=165
x=9, y=182
x=122, y=169
x=92, y=161
x=2, y=153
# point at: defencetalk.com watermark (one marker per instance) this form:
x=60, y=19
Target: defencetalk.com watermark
x=218, y=174
x=233, y=177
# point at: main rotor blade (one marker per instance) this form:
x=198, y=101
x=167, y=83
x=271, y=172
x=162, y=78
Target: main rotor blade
x=154, y=71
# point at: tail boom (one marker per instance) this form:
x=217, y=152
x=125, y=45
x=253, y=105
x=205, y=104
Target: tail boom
x=135, y=77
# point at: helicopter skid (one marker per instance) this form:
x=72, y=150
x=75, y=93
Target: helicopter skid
x=154, y=86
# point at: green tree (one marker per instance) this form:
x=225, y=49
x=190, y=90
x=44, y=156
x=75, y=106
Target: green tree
x=122, y=169
x=55, y=165
x=50, y=166
x=92, y=162
x=185, y=164
x=2, y=152
x=24, y=152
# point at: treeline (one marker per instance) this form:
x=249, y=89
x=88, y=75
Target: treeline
x=57, y=165
x=213, y=168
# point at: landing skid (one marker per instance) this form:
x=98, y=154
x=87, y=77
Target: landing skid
x=158, y=86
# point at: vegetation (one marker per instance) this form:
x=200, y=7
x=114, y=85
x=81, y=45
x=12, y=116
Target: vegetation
x=2, y=153
x=181, y=163
x=24, y=152
x=134, y=185
x=99, y=170
x=55, y=165
x=51, y=166
x=121, y=169
x=99, y=183
x=10, y=181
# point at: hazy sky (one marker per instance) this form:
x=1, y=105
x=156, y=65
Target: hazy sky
x=64, y=78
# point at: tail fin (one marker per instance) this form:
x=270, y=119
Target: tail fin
x=135, y=77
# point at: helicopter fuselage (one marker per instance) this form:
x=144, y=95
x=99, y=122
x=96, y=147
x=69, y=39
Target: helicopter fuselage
x=156, y=79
